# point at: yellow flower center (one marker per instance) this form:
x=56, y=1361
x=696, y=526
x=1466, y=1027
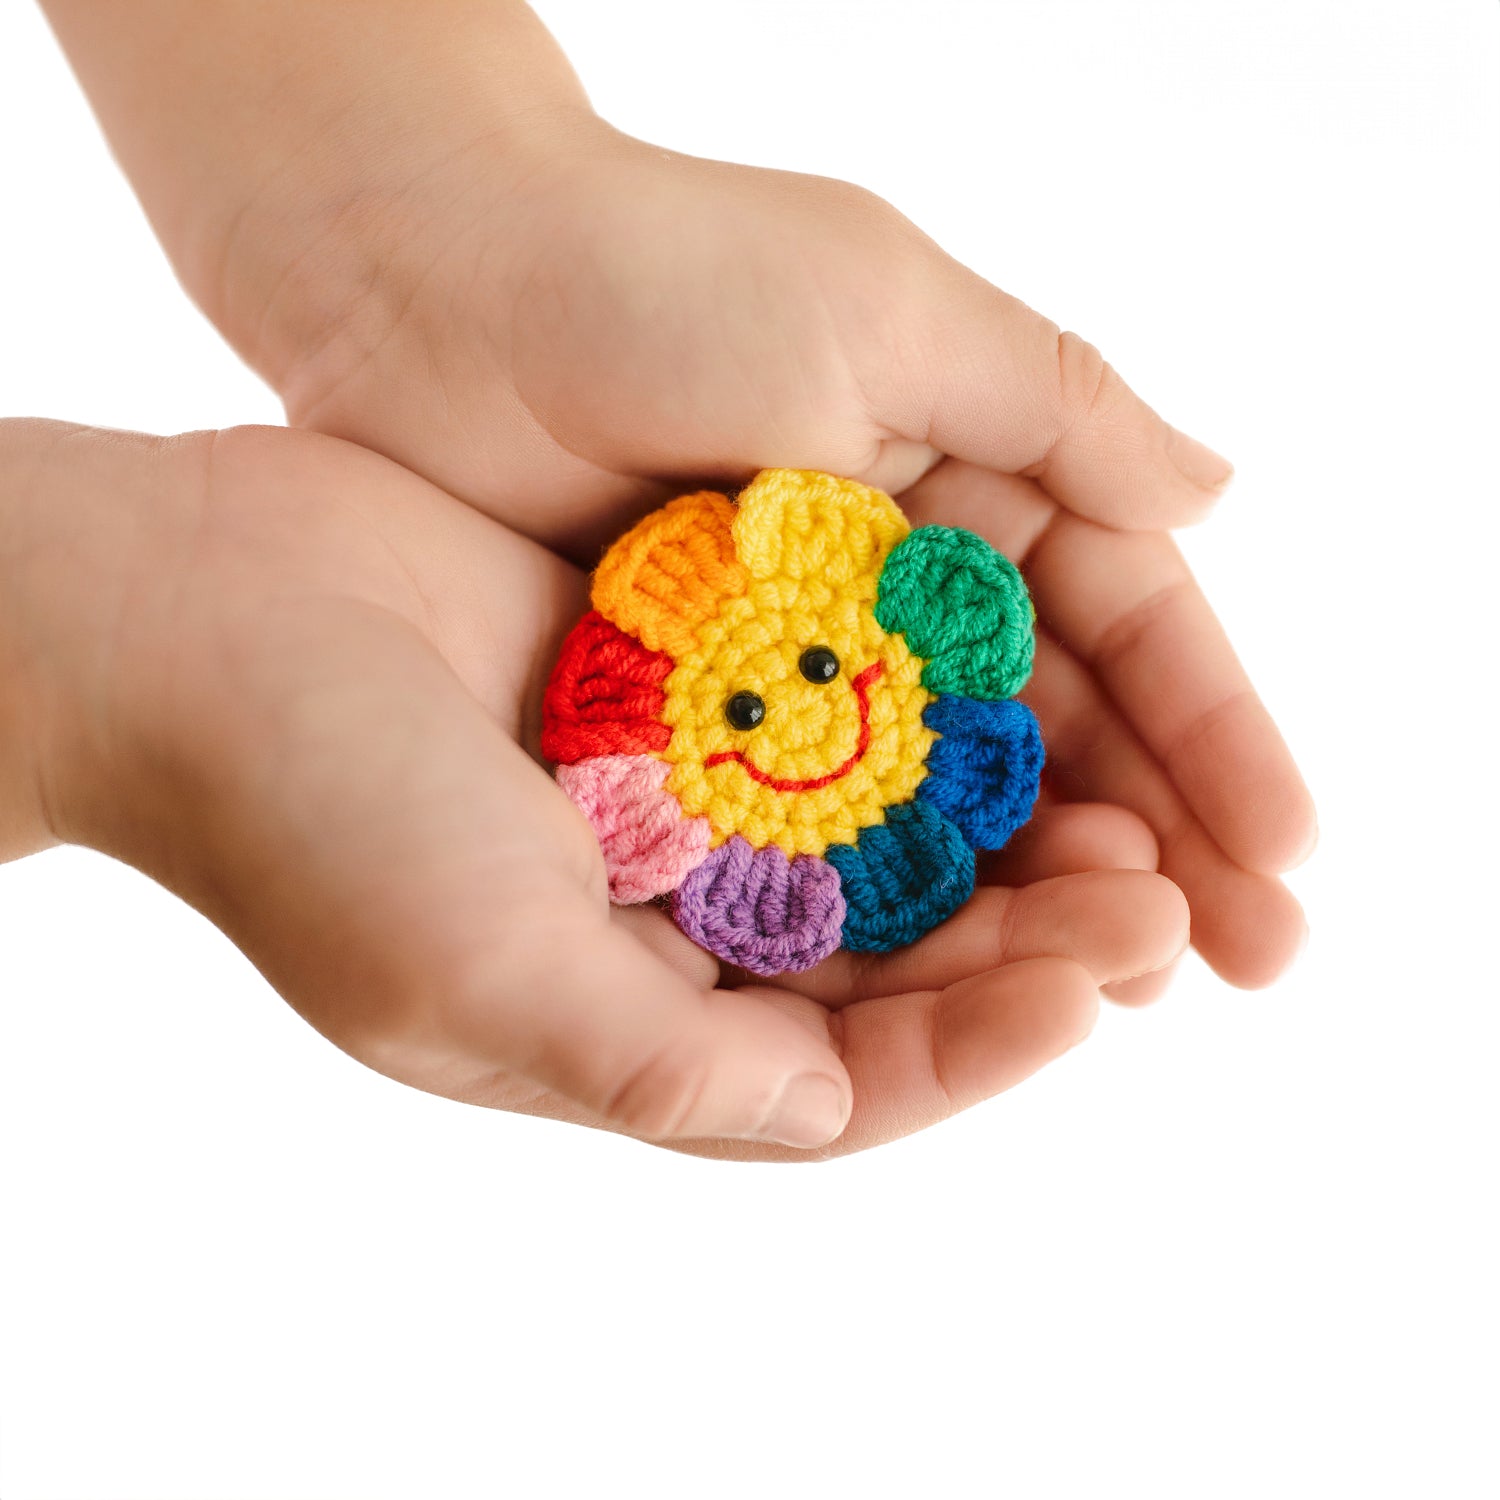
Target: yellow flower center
x=828, y=758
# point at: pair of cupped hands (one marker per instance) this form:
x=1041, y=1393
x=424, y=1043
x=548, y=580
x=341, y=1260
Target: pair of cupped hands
x=295, y=674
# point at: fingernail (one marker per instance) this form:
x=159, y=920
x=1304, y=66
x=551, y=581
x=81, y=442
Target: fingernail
x=810, y=1112
x=1197, y=462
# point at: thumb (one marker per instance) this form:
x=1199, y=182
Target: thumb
x=583, y=1008
x=988, y=380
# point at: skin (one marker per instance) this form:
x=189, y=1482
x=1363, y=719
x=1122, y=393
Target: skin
x=407, y=217
x=300, y=687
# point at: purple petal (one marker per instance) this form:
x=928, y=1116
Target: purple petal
x=760, y=910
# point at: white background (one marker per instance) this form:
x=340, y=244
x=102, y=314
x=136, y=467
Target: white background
x=1239, y=1244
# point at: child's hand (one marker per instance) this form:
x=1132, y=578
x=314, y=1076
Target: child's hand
x=644, y=315
x=407, y=217
x=297, y=685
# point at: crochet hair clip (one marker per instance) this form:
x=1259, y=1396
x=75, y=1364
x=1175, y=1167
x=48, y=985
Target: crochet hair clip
x=794, y=716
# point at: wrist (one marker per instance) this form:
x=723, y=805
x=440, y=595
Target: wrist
x=324, y=264
x=286, y=151
x=38, y=636
x=83, y=513
x=24, y=819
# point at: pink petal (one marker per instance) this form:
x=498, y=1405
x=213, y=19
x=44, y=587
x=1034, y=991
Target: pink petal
x=648, y=846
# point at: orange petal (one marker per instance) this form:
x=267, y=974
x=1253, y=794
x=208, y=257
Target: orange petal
x=799, y=524
x=671, y=572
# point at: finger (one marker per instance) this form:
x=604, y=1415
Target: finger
x=590, y=1014
x=1082, y=920
x=919, y=1058
x=1067, y=838
x=1128, y=606
x=1247, y=926
x=1144, y=989
x=1113, y=923
x=1008, y=510
x=655, y=931
x=419, y=889
x=990, y=381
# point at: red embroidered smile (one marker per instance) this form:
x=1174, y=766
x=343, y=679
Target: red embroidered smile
x=861, y=686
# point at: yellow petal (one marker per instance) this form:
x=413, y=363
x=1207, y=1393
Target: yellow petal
x=671, y=572
x=799, y=524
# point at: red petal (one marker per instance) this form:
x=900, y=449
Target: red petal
x=605, y=695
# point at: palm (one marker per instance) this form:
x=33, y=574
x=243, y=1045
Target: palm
x=344, y=670
x=657, y=322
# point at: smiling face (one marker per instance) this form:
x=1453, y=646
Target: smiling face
x=794, y=717
x=797, y=720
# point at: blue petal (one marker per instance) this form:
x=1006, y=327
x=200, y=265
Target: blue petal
x=902, y=877
x=985, y=771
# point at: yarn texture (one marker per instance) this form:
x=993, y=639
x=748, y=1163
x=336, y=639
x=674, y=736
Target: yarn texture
x=795, y=715
x=760, y=910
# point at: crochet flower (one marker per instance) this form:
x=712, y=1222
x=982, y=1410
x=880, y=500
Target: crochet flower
x=795, y=716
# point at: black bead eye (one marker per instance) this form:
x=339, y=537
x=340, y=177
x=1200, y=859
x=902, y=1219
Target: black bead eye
x=745, y=710
x=819, y=664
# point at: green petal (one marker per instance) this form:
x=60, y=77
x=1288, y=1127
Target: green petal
x=963, y=607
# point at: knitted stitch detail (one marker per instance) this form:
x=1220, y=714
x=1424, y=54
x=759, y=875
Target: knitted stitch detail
x=964, y=607
x=800, y=525
x=671, y=572
x=792, y=713
x=604, y=696
x=649, y=848
x=902, y=877
x=810, y=732
x=986, y=767
x=760, y=910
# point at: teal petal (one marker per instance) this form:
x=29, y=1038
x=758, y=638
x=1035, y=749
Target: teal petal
x=902, y=877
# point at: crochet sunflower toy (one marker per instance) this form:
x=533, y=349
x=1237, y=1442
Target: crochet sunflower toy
x=795, y=715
